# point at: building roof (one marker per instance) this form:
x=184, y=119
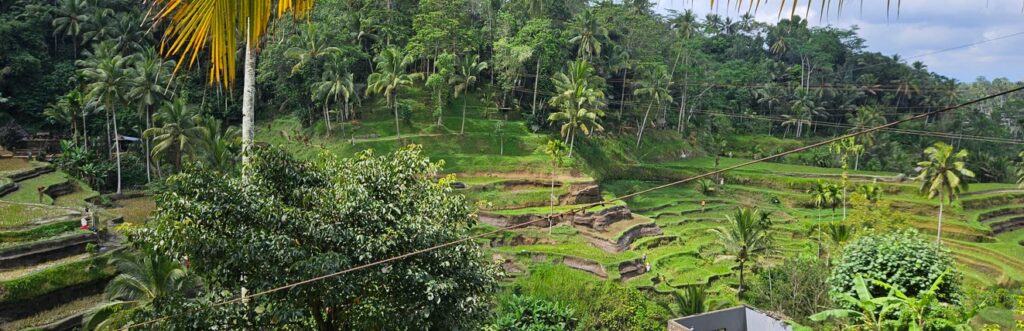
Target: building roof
x=740, y=318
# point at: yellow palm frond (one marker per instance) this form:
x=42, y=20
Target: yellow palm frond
x=196, y=26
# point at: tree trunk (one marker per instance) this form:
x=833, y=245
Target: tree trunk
x=938, y=237
x=536, y=79
x=462, y=129
x=85, y=132
x=149, y=177
x=572, y=141
x=622, y=97
x=117, y=151
x=643, y=124
x=327, y=117
x=682, y=109
x=394, y=107
x=741, y=279
x=248, y=99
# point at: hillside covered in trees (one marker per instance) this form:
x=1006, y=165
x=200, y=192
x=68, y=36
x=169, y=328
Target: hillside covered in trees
x=534, y=124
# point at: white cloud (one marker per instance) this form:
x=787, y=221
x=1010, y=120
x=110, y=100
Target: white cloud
x=923, y=26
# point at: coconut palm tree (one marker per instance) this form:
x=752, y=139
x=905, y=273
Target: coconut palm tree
x=335, y=86
x=68, y=19
x=589, y=33
x=654, y=84
x=389, y=77
x=580, y=97
x=143, y=278
x=311, y=46
x=466, y=75
x=745, y=237
x=176, y=132
x=108, y=79
x=940, y=175
x=871, y=192
x=217, y=146
x=148, y=87
x=211, y=27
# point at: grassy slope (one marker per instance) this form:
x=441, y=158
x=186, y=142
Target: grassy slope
x=694, y=255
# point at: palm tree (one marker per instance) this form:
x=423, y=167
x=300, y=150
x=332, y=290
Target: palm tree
x=940, y=175
x=217, y=146
x=745, y=237
x=210, y=27
x=143, y=278
x=66, y=112
x=466, y=75
x=108, y=80
x=389, y=77
x=580, y=98
x=68, y=19
x=311, y=46
x=150, y=78
x=804, y=108
x=871, y=192
x=588, y=31
x=654, y=85
x=336, y=86
x=176, y=132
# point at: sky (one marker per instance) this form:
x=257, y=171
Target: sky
x=923, y=27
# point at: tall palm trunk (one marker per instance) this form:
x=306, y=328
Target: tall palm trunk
x=462, y=129
x=327, y=118
x=643, y=124
x=248, y=99
x=85, y=133
x=394, y=108
x=117, y=150
x=742, y=262
x=149, y=176
x=938, y=237
x=622, y=96
x=536, y=78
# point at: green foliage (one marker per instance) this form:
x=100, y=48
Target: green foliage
x=746, y=237
x=57, y=277
x=524, y=313
x=600, y=305
x=900, y=258
x=144, y=277
x=39, y=232
x=303, y=219
x=797, y=288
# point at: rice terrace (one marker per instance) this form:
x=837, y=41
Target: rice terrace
x=511, y=165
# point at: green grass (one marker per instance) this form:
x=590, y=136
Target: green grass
x=55, y=314
x=14, y=214
x=28, y=190
x=36, y=233
x=50, y=279
x=135, y=210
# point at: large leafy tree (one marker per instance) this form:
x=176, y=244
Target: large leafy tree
x=390, y=76
x=311, y=45
x=580, y=99
x=745, y=237
x=940, y=175
x=293, y=220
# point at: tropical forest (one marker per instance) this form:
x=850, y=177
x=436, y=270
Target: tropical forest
x=506, y=165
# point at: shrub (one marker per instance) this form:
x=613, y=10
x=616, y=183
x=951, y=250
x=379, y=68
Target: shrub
x=797, y=288
x=902, y=259
x=601, y=305
x=518, y=312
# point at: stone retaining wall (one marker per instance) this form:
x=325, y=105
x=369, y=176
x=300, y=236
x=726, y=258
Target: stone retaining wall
x=46, y=250
x=11, y=311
